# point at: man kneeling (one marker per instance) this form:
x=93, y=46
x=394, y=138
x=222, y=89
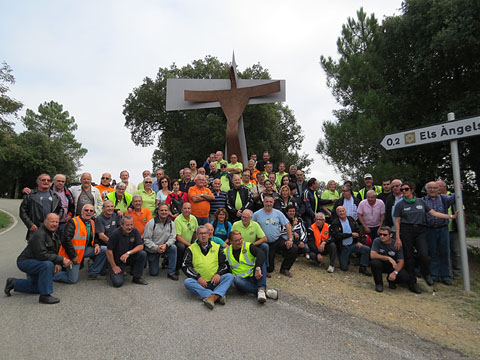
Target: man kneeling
x=386, y=259
x=247, y=263
x=125, y=247
x=206, y=270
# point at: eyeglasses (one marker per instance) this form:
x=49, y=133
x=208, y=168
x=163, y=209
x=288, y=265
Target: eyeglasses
x=164, y=181
x=105, y=178
x=406, y=189
x=88, y=210
x=379, y=234
x=397, y=185
x=46, y=180
x=148, y=182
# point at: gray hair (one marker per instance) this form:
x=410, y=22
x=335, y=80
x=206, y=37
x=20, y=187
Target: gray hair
x=125, y=217
x=107, y=202
x=121, y=184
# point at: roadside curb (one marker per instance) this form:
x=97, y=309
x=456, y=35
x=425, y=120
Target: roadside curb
x=12, y=225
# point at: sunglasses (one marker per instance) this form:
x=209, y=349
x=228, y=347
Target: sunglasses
x=105, y=178
x=46, y=180
x=148, y=182
x=405, y=189
x=383, y=234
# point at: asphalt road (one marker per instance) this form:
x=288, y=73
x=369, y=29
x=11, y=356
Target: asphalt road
x=162, y=320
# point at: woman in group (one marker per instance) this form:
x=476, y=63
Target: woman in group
x=148, y=195
x=285, y=181
x=164, y=190
x=410, y=227
x=221, y=225
x=298, y=230
x=269, y=189
x=273, y=178
x=283, y=200
x=331, y=194
x=175, y=200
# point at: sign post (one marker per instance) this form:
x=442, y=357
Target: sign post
x=449, y=131
x=459, y=204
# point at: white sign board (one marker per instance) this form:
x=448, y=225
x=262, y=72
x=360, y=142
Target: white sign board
x=451, y=130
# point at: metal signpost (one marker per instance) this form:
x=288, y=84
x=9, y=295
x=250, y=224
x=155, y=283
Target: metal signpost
x=451, y=131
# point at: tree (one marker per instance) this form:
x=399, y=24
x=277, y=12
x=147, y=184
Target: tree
x=8, y=106
x=48, y=146
x=409, y=71
x=185, y=135
x=58, y=126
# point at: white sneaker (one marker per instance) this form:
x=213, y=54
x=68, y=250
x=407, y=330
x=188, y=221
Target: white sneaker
x=261, y=297
x=330, y=269
x=307, y=256
x=272, y=294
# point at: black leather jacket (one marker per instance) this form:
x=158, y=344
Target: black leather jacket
x=43, y=245
x=245, y=196
x=31, y=209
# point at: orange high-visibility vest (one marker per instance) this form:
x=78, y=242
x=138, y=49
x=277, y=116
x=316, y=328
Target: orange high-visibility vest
x=79, y=240
x=320, y=235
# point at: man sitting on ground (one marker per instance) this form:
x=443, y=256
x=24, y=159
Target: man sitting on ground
x=206, y=269
x=345, y=231
x=247, y=264
x=79, y=241
x=320, y=242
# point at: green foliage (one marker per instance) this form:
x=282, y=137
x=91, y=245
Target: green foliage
x=409, y=71
x=48, y=145
x=8, y=106
x=194, y=134
x=5, y=220
x=58, y=126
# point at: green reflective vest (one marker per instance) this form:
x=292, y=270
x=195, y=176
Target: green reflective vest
x=205, y=265
x=246, y=265
x=377, y=188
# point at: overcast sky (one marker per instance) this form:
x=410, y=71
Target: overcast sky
x=89, y=55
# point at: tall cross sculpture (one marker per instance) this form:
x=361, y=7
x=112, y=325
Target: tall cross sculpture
x=231, y=95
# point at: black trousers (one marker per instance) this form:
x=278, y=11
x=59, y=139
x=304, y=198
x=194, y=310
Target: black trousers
x=330, y=249
x=379, y=266
x=180, y=252
x=289, y=255
x=413, y=238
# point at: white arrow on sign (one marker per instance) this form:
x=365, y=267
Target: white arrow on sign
x=450, y=130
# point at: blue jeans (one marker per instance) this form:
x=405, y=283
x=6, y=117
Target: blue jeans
x=154, y=259
x=137, y=261
x=202, y=221
x=364, y=252
x=220, y=290
x=438, y=240
x=39, y=277
x=266, y=250
x=70, y=276
x=251, y=284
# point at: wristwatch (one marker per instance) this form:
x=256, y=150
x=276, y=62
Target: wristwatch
x=128, y=252
x=258, y=268
x=396, y=272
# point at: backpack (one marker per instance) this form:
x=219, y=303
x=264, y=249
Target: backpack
x=177, y=203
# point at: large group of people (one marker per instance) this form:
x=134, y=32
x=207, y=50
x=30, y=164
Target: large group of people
x=222, y=224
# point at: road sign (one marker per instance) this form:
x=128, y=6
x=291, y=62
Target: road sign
x=448, y=131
